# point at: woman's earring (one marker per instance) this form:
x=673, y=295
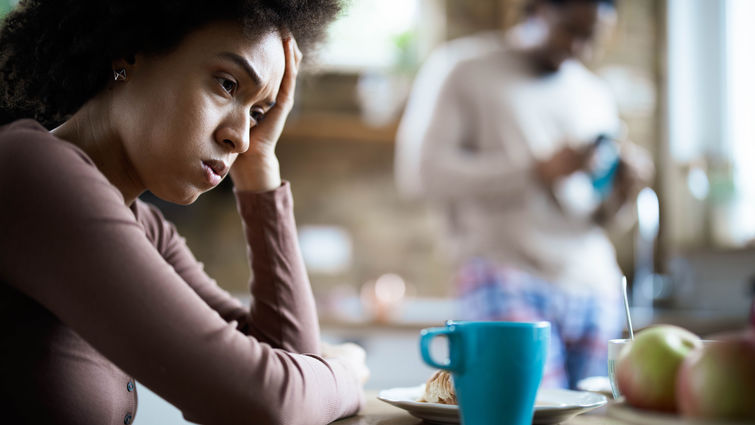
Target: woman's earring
x=119, y=75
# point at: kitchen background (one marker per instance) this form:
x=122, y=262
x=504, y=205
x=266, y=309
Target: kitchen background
x=682, y=73
x=681, y=78
x=377, y=261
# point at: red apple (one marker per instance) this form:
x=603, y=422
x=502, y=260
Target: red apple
x=647, y=367
x=718, y=382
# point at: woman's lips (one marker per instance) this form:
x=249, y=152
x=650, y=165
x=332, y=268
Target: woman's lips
x=214, y=171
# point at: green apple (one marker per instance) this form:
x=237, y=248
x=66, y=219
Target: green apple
x=647, y=367
x=718, y=382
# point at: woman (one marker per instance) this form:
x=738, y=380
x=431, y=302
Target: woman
x=96, y=288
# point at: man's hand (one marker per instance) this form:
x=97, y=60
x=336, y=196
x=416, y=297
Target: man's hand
x=562, y=163
x=636, y=171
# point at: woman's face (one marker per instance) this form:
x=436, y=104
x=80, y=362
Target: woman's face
x=184, y=117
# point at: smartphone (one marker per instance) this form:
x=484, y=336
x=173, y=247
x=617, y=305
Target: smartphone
x=604, y=164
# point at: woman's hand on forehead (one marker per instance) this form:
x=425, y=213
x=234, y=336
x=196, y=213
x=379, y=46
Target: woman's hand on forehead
x=257, y=169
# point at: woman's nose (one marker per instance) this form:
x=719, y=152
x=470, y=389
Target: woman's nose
x=233, y=134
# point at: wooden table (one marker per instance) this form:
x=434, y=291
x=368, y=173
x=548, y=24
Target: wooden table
x=377, y=412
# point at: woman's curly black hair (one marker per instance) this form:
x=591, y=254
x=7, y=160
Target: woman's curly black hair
x=57, y=54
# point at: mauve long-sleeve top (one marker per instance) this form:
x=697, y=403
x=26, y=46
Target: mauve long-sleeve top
x=95, y=294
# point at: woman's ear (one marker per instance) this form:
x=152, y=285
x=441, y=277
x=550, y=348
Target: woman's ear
x=121, y=68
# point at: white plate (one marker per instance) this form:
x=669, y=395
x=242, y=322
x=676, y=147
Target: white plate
x=553, y=406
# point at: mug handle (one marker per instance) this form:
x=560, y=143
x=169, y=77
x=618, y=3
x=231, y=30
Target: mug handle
x=426, y=335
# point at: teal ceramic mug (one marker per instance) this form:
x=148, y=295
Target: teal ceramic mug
x=496, y=368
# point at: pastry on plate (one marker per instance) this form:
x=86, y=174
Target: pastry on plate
x=439, y=389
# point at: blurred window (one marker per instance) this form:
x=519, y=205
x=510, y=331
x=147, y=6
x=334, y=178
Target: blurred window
x=711, y=99
x=740, y=107
x=373, y=34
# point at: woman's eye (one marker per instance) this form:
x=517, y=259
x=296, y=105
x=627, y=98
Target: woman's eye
x=257, y=116
x=228, y=85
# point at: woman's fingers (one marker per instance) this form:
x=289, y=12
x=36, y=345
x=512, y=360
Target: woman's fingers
x=288, y=84
x=297, y=53
x=257, y=169
x=266, y=133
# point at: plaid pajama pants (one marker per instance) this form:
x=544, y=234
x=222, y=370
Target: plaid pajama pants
x=581, y=322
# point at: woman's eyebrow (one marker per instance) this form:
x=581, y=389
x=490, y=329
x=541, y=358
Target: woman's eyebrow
x=244, y=64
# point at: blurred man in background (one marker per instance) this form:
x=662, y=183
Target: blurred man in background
x=503, y=132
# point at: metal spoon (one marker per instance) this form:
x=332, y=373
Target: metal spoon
x=626, y=305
